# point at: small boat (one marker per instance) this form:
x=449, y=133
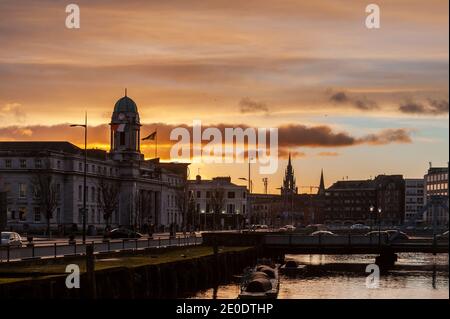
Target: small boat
x=291, y=267
x=261, y=282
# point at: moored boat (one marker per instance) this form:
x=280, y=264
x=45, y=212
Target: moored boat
x=291, y=267
x=261, y=282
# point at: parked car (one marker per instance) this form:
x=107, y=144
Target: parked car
x=443, y=236
x=323, y=233
x=359, y=227
x=289, y=227
x=396, y=235
x=11, y=239
x=316, y=227
x=377, y=233
x=118, y=233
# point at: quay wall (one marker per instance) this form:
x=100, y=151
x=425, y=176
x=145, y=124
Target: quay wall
x=160, y=281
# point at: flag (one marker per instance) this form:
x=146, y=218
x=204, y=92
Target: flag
x=151, y=137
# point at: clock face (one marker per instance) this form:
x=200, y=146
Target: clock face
x=121, y=116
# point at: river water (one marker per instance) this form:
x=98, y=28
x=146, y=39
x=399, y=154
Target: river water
x=415, y=275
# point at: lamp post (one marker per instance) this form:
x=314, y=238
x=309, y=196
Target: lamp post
x=85, y=173
x=371, y=208
x=250, y=185
x=379, y=226
x=204, y=221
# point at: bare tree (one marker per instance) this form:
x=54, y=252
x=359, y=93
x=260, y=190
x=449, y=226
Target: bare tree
x=108, y=198
x=216, y=202
x=181, y=201
x=46, y=192
x=143, y=207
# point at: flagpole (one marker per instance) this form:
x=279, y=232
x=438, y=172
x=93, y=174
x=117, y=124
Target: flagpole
x=156, y=142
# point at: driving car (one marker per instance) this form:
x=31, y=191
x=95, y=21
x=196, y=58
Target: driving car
x=323, y=233
x=289, y=227
x=11, y=239
x=118, y=233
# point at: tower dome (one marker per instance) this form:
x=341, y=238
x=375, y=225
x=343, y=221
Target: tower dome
x=125, y=130
x=125, y=105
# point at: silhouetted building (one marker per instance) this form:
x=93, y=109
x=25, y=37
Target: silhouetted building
x=414, y=199
x=217, y=203
x=349, y=202
x=147, y=189
x=436, y=188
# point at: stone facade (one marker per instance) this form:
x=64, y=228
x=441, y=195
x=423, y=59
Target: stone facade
x=147, y=189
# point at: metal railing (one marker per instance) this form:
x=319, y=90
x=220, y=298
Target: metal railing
x=56, y=250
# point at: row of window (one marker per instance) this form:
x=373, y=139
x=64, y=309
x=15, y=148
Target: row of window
x=230, y=195
x=229, y=209
x=437, y=177
x=92, y=168
x=23, y=163
x=23, y=190
x=95, y=216
x=92, y=196
x=440, y=186
x=21, y=214
x=38, y=163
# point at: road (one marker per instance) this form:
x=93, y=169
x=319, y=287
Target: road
x=60, y=247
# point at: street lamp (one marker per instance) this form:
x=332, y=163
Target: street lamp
x=379, y=226
x=371, y=208
x=204, y=225
x=85, y=174
x=250, y=186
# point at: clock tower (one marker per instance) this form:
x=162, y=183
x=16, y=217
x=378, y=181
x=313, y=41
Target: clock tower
x=125, y=131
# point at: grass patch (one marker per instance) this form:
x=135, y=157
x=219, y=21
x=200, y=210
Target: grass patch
x=15, y=273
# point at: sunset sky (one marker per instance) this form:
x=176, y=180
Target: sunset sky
x=356, y=102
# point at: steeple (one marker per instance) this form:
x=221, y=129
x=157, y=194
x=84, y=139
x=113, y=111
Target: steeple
x=322, y=184
x=289, y=183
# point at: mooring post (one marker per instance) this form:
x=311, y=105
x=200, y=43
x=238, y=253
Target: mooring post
x=434, y=245
x=90, y=271
x=216, y=260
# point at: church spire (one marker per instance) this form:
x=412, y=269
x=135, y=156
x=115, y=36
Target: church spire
x=289, y=183
x=322, y=184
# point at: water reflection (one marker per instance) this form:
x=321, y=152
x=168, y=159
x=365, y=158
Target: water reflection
x=414, y=276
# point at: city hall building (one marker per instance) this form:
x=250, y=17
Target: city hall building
x=142, y=192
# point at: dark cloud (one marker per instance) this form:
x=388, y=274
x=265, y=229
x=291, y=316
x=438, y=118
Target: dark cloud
x=294, y=135
x=387, y=136
x=284, y=153
x=361, y=103
x=339, y=97
x=431, y=107
x=290, y=136
x=248, y=105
